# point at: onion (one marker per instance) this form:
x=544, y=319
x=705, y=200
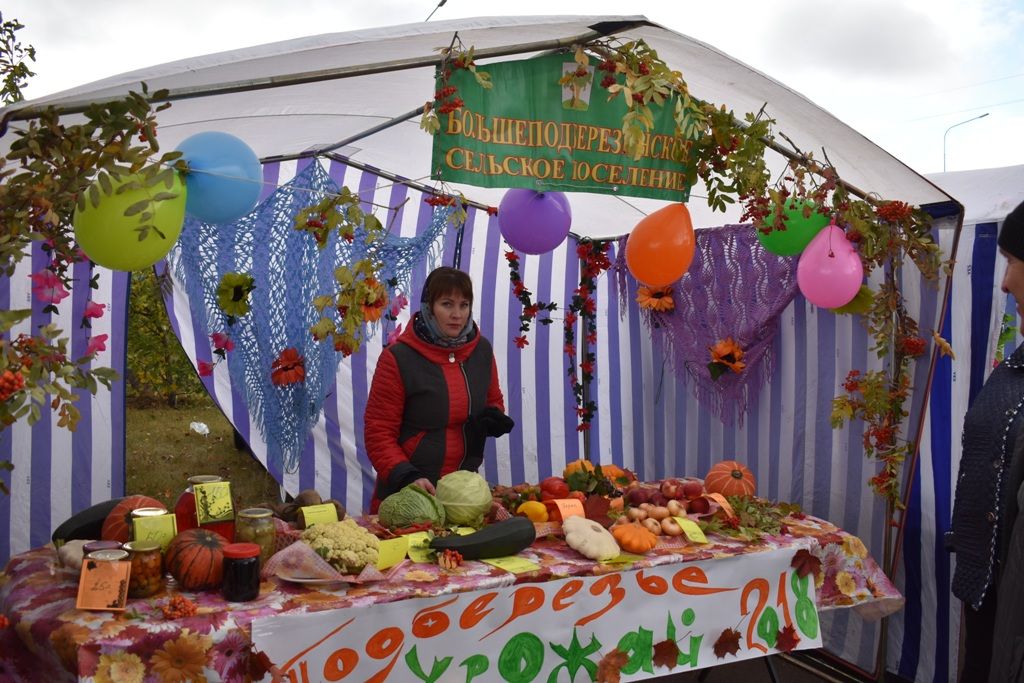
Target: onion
x=653, y=525
x=676, y=508
x=671, y=527
x=636, y=514
x=658, y=512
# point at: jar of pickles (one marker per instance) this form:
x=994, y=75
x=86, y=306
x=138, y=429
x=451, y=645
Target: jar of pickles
x=185, y=509
x=147, y=577
x=256, y=525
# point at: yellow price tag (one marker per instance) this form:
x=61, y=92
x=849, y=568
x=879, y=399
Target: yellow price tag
x=419, y=550
x=691, y=529
x=161, y=528
x=319, y=514
x=513, y=563
x=213, y=502
x=391, y=552
x=464, y=530
x=624, y=558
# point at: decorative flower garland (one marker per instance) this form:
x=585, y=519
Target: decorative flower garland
x=525, y=296
x=594, y=261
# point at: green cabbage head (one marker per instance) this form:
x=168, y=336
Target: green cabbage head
x=466, y=497
x=411, y=505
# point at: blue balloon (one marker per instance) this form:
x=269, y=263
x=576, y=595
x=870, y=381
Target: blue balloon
x=224, y=177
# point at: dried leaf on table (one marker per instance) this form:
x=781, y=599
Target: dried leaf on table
x=728, y=643
x=787, y=639
x=666, y=653
x=609, y=669
x=595, y=508
x=806, y=563
x=259, y=664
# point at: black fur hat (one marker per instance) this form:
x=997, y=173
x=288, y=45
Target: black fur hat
x=1011, y=235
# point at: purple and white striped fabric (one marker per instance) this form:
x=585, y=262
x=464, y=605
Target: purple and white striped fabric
x=57, y=472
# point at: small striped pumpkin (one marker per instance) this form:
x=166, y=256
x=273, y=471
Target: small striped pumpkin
x=730, y=478
x=195, y=558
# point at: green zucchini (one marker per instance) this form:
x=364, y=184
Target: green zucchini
x=85, y=524
x=503, y=538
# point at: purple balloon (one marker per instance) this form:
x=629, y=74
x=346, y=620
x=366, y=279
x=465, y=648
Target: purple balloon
x=534, y=222
x=830, y=272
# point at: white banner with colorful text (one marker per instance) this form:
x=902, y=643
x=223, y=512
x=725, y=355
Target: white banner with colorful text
x=715, y=611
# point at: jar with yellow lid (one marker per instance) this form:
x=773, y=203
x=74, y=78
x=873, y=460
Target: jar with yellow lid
x=147, y=577
x=256, y=525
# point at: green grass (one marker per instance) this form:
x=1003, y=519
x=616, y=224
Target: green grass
x=162, y=453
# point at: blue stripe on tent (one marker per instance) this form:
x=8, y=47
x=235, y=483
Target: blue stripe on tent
x=775, y=421
x=360, y=383
x=81, y=439
x=492, y=256
x=826, y=390
x=6, y=444
x=571, y=446
x=542, y=369
x=39, y=503
x=796, y=486
x=942, y=478
x=912, y=578
x=514, y=371
x=615, y=327
x=658, y=355
x=982, y=273
x=636, y=393
x=119, y=352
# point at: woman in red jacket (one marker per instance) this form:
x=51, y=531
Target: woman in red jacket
x=435, y=393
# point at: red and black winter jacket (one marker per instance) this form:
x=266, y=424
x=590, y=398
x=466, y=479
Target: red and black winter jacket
x=416, y=414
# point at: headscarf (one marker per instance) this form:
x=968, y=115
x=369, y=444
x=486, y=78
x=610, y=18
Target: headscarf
x=425, y=325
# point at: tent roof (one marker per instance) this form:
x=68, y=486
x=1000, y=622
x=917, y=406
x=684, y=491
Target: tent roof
x=323, y=103
x=987, y=194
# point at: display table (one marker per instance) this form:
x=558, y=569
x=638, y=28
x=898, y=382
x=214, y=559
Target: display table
x=46, y=638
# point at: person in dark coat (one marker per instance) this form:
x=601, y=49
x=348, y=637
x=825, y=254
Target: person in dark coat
x=435, y=395
x=986, y=531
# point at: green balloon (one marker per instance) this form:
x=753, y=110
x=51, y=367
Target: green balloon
x=799, y=230
x=111, y=239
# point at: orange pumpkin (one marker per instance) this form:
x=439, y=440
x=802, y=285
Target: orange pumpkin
x=730, y=478
x=117, y=526
x=195, y=558
x=633, y=538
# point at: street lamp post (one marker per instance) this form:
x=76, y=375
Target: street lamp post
x=975, y=118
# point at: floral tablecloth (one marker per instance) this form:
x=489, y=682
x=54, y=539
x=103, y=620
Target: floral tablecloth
x=43, y=636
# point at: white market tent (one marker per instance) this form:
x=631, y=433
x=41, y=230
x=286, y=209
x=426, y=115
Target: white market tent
x=291, y=98
x=310, y=93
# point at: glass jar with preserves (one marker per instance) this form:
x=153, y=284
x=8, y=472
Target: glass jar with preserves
x=241, y=572
x=185, y=509
x=141, y=513
x=147, y=577
x=256, y=525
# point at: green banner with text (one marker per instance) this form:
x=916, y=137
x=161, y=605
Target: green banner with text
x=532, y=131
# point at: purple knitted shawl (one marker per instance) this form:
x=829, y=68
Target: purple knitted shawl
x=734, y=288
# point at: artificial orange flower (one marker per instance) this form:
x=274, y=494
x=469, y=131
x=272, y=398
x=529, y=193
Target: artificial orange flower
x=657, y=299
x=373, y=312
x=726, y=354
x=289, y=367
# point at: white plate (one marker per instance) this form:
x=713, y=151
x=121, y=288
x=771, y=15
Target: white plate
x=309, y=581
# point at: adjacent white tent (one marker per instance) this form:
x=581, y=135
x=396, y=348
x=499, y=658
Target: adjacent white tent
x=290, y=98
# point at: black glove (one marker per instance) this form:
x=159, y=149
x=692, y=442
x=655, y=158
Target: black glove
x=494, y=422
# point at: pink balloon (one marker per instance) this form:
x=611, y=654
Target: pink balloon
x=829, y=272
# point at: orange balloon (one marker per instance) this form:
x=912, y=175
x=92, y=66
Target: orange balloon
x=660, y=248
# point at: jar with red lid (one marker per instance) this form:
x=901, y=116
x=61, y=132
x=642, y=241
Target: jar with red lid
x=185, y=509
x=241, y=572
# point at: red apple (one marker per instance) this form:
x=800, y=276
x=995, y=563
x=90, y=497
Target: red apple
x=699, y=506
x=659, y=499
x=693, y=489
x=672, y=489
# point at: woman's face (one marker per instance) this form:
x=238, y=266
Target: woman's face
x=452, y=312
x=1013, y=282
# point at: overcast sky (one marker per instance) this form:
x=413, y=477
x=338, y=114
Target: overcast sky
x=899, y=71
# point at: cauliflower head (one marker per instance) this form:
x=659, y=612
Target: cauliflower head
x=346, y=545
